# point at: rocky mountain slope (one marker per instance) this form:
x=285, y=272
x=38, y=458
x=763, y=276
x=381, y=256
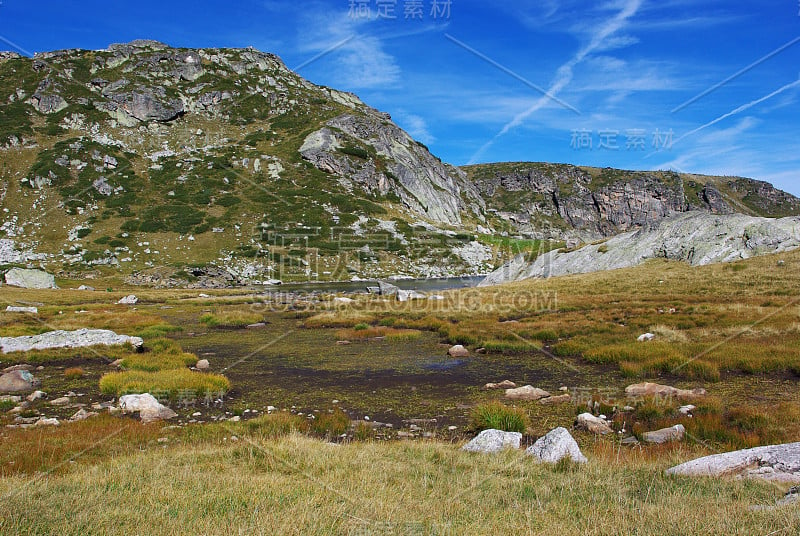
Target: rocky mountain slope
x=697, y=238
x=560, y=199
x=222, y=166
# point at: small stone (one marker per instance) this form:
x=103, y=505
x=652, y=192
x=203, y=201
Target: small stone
x=687, y=409
x=593, y=424
x=62, y=401
x=81, y=415
x=18, y=381
x=129, y=300
x=202, y=364
x=527, y=392
x=645, y=337
x=458, y=351
x=630, y=441
x=452, y=428
x=559, y=399
x=47, y=422
x=196, y=414
x=505, y=384
x=36, y=395
x=665, y=435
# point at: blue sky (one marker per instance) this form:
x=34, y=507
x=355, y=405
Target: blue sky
x=482, y=81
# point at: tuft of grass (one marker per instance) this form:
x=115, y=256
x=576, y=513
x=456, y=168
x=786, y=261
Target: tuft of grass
x=74, y=373
x=331, y=424
x=277, y=424
x=231, y=319
x=164, y=383
x=498, y=416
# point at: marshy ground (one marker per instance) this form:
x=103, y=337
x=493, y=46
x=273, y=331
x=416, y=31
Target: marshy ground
x=733, y=329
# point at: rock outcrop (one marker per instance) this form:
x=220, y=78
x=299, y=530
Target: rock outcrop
x=665, y=391
x=25, y=278
x=696, y=238
x=67, y=339
x=779, y=463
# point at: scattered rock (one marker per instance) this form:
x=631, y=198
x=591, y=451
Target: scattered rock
x=406, y=295
x=47, y=422
x=560, y=399
x=257, y=325
x=67, y=339
x=779, y=463
x=491, y=441
x=629, y=441
x=527, y=392
x=25, y=278
x=687, y=409
x=665, y=435
x=18, y=381
x=644, y=337
x=596, y=425
x=36, y=395
x=343, y=301
x=14, y=309
x=129, y=300
x=147, y=406
x=654, y=389
x=61, y=401
x=458, y=351
x=202, y=364
x=82, y=414
x=117, y=363
x=12, y=368
x=505, y=384
x=85, y=287
x=556, y=445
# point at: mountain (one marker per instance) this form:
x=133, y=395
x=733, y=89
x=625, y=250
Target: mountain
x=208, y=167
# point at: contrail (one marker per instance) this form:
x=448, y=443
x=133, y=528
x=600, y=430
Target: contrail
x=739, y=110
x=564, y=73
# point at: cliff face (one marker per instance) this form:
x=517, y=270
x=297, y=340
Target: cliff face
x=554, y=200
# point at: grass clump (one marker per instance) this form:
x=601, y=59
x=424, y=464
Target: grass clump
x=164, y=383
x=74, y=373
x=230, y=319
x=331, y=424
x=498, y=416
x=276, y=425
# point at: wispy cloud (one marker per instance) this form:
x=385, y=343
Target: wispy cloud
x=415, y=125
x=564, y=74
x=361, y=59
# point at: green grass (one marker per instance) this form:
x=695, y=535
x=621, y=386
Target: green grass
x=168, y=383
x=498, y=416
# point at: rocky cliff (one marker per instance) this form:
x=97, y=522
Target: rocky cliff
x=552, y=200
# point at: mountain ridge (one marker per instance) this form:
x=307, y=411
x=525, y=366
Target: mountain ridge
x=142, y=158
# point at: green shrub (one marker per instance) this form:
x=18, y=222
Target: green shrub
x=331, y=424
x=164, y=383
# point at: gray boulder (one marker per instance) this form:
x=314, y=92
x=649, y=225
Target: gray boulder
x=556, y=445
x=458, y=351
x=67, y=339
x=665, y=435
x=665, y=391
x=147, y=406
x=26, y=278
x=14, y=309
x=779, y=463
x=491, y=441
x=18, y=381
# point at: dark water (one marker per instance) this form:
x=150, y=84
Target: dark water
x=420, y=285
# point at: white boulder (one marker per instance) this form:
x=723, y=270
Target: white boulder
x=491, y=441
x=556, y=445
x=147, y=406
